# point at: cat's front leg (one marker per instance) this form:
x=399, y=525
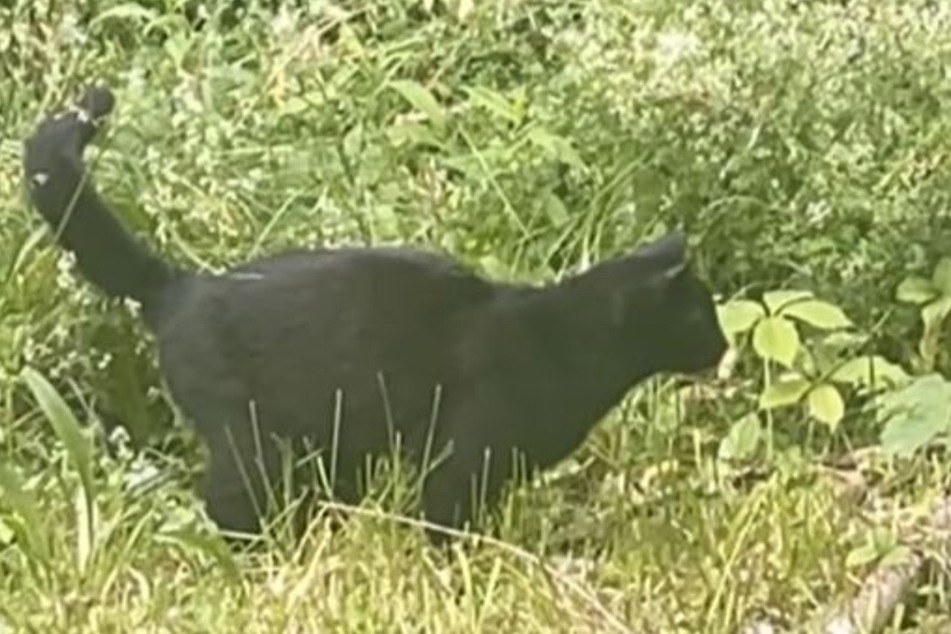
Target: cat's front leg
x=459, y=492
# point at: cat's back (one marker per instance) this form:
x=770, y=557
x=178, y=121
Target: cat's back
x=288, y=331
x=315, y=265
x=393, y=279
x=327, y=308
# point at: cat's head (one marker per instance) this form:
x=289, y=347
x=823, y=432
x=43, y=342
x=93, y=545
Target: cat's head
x=665, y=310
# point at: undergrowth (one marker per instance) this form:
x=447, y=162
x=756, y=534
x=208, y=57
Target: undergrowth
x=802, y=146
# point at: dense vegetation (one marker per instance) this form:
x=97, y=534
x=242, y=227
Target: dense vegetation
x=803, y=146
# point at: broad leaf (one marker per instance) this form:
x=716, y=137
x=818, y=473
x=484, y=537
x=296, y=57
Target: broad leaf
x=776, y=300
x=934, y=314
x=942, y=276
x=7, y=533
x=783, y=393
x=861, y=556
x=917, y=414
x=776, y=339
x=819, y=314
x=555, y=208
x=825, y=404
x=897, y=556
x=739, y=315
x=421, y=99
x=831, y=349
x=915, y=290
x=742, y=440
x=870, y=371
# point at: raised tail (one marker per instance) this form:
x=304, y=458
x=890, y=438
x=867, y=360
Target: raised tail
x=106, y=254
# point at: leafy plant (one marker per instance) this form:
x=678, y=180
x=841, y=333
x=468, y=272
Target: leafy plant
x=917, y=415
x=933, y=296
x=795, y=373
x=881, y=545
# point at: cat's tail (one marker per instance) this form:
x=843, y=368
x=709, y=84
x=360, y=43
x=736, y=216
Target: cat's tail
x=106, y=254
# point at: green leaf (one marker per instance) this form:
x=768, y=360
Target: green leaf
x=841, y=341
x=739, y=315
x=883, y=538
x=783, y=393
x=825, y=404
x=934, y=313
x=742, y=440
x=421, y=99
x=293, y=106
x=915, y=290
x=897, y=556
x=942, y=276
x=556, y=147
x=776, y=339
x=496, y=104
x=67, y=428
x=916, y=414
x=87, y=521
x=31, y=528
x=830, y=351
x=861, y=556
x=819, y=314
x=131, y=11
x=870, y=371
x=776, y=300
x=7, y=533
x=79, y=451
x=554, y=208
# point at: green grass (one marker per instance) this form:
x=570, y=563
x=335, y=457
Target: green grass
x=800, y=144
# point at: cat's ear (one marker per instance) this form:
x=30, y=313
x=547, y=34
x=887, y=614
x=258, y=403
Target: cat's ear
x=667, y=255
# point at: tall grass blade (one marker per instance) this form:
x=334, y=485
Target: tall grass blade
x=78, y=450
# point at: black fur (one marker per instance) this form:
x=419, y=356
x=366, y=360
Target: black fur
x=383, y=341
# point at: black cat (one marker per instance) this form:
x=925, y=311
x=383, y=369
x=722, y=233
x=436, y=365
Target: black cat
x=345, y=350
